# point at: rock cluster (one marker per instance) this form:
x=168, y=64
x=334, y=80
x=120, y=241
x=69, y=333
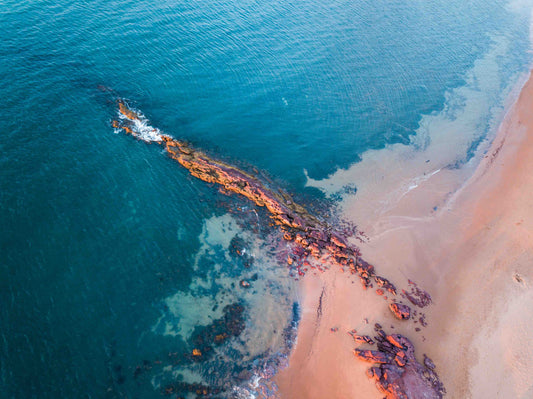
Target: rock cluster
x=417, y=296
x=398, y=374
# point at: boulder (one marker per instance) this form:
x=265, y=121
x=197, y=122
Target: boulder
x=402, y=312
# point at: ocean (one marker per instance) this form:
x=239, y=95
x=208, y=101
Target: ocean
x=115, y=263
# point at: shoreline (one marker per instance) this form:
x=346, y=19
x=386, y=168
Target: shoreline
x=471, y=255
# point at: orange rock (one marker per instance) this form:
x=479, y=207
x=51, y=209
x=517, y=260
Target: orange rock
x=402, y=312
x=221, y=337
x=128, y=113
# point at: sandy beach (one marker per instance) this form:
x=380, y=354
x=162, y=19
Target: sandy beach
x=463, y=236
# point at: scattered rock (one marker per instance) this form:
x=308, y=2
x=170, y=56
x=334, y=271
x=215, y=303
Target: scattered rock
x=417, y=296
x=386, y=284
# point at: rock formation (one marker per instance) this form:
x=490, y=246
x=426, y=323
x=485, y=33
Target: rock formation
x=310, y=236
x=398, y=374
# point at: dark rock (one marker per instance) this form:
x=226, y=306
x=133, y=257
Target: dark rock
x=417, y=296
x=245, y=375
x=400, y=361
x=374, y=373
x=363, y=339
x=429, y=363
x=372, y=356
x=381, y=335
x=385, y=346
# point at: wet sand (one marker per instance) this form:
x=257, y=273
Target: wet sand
x=470, y=245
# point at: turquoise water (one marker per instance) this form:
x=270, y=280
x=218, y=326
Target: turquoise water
x=110, y=253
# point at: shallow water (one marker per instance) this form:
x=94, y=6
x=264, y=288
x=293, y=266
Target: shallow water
x=111, y=255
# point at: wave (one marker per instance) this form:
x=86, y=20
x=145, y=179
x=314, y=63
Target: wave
x=136, y=124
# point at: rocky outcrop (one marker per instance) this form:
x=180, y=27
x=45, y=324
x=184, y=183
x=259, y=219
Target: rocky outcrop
x=398, y=374
x=310, y=237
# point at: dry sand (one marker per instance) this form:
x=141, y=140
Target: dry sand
x=473, y=254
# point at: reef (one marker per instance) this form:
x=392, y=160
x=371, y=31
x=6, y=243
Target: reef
x=398, y=374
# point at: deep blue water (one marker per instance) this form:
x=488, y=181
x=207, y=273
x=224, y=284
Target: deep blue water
x=98, y=231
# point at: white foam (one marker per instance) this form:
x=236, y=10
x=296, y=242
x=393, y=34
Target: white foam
x=141, y=128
